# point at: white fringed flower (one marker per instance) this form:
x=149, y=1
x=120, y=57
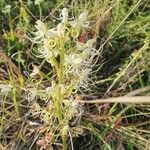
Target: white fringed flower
x=86, y=49
x=74, y=64
x=81, y=21
x=35, y=71
x=79, y=68
x=73, y=60
x=43, y=32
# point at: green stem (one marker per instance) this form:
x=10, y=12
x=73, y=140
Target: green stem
x=40, y=11
x=64, y=140
x=60, y=73
x=61, y=67
x=60, y=82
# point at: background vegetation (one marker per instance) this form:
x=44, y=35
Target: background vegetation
x=122, y=69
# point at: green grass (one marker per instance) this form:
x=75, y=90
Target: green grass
x=111, y=113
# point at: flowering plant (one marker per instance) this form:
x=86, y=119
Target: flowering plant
x=71, y=60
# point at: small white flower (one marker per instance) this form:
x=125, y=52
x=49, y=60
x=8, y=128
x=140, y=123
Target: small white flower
x=73, y=59
x=35, y=71
x=88, y=51
x=38, y=2
x=43, y=32
x=74, y=64
x=48, y=55
x=81, y=21
x=40, y=26
x=5, y=88
x=64, y=15
x=7, y=9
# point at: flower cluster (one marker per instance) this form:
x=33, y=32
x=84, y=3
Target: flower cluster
x=77, y=55
x=71, y=59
